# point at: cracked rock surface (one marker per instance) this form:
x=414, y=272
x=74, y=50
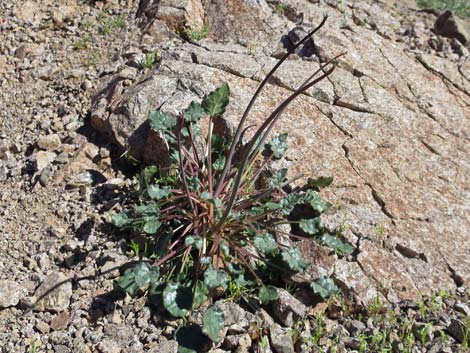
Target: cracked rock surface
x=391, y=125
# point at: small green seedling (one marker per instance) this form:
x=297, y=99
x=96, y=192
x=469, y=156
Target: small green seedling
x=149, y=60
x=197, y=33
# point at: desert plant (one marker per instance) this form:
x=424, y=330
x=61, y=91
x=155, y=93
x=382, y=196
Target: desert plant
x=113, y=23
x=460, y=7
x=215, y=227
x=149, y=60
x=196, y=33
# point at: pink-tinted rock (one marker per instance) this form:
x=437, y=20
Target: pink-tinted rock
x=390, y=126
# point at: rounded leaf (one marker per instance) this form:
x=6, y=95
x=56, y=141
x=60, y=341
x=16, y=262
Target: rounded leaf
x=161, y=121
x=213, y=321
x=158, y=192
x=177, y=299
x=215, y=278
x=310, y=226
x=293, y=259
x=140, y=277
x=337, y=244
x=265, y=244
x=194, y=112
x=120, y=219
x=325, y=287
x=278, y=145
x=267, y=294
x=151, y=225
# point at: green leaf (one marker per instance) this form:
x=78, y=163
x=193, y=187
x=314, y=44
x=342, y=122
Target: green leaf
x=278, y=145
x=319, y=182
x=193, y=183
x=215, y=102
x=147, y=175
x=265, y=244
x=138, y=278
x=213, y=321
x=216, y=278
x=120, y=219
x=151, y=225
x=206, y=196
x=219, y=163
x=337, y=244
x=200, y=294
x=316, y=201
x=194, y=112
x=310, y=226
x=149, y=209
x=160, y=121
x=288, y=203
x=278, y=178
x=194, y=241
x=293, y=259
x=177, y=299
x=267, y=294
x=158, y=192
x=325, y=287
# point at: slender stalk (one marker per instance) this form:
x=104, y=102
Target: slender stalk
x=181, y=168
x=209, y=165
x=270, y=120
x=228, y=162
x=306, y=85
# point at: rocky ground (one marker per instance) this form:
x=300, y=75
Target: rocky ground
x=391, y=125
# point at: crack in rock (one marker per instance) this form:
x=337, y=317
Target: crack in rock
x=442, y=76
x=410, y=253
x=374, y=192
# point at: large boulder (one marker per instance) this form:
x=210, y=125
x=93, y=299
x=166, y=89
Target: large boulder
x=390, y=125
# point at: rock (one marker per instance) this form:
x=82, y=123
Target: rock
x=449, y=25
x=81, y=179
x=27, y=12
x=356, y=327
x=351, y=276
x=169, y=346
x=109, y=346
x=320, y=261
x=288, y=309
x=390, y=125
x=42, y=327
x=233, y=341
x=459, y=329
x=60, y=321
x=62, y=349
x=233, y=313
x=44, y=176
x=10, y=293
x=43, y=159
x=54, y=293
x=24, y=50
x=49, y=142
x=3, y=173
x=281, y=339
x=463, y=308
